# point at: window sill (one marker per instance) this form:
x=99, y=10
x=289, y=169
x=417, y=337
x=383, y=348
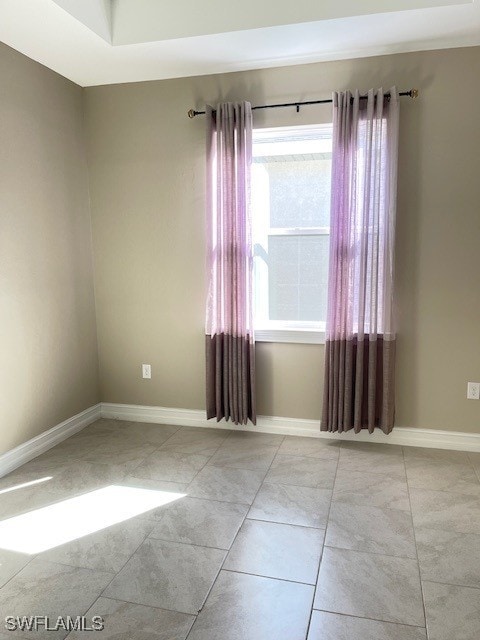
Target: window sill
x=299, y=336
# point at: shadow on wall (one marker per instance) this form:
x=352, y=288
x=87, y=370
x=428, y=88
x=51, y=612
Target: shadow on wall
x=408, y=233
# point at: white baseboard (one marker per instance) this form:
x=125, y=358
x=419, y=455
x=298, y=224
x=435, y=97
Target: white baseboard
x=407, y=436
x=48, y=439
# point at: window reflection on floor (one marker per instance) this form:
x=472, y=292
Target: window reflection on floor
x=24, y=485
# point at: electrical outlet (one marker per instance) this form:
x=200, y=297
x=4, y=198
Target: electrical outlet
x=473, y=391
x=146, y=371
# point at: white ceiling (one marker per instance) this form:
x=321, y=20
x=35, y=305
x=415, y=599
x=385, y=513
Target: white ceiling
x=108, y=41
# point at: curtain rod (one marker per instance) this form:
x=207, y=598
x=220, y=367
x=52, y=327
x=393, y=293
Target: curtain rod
x=412, y=93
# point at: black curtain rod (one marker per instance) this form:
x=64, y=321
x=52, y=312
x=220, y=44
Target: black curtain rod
x=412, y=93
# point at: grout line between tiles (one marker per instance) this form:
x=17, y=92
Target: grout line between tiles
x=416, y=546
x=72, y=566
x=208, y=460
x=452, y=584
x=235, y=537
x=323, y=547
x=17, y=572
x=235, y=469
x=287, y=524
x=371, y=553
x=261, y=575
x=149, y=606
x=394, y=622
x=304, y=486
x=141, y=604
x=186, y=544
x=450, y=493
x=125, y=563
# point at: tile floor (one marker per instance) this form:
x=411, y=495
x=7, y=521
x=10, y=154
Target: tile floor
x=229, y=535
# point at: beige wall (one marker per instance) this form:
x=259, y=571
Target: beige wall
x=146, y=162
x=48, y=351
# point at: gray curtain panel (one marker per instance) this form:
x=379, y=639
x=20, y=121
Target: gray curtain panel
x=360, y=334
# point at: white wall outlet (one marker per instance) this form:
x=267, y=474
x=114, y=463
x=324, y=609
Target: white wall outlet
x=146, y=371
x=473, y=391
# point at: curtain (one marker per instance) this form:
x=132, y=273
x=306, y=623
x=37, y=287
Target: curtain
x=230, y=344
x=360, y=335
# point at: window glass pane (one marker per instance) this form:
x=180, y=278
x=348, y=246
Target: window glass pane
x=297, y=277
x=291, y=185
x=299, y=189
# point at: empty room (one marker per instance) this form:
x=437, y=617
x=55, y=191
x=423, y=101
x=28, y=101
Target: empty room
x=240, y=320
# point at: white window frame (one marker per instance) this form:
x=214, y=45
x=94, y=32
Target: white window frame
x=279, y=330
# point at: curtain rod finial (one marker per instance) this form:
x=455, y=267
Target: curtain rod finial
x=191, y=113
x=414, y=93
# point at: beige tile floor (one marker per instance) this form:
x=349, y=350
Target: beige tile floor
x=230, y=535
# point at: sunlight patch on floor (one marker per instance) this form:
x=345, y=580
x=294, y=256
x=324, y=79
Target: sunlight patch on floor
x=75, y=518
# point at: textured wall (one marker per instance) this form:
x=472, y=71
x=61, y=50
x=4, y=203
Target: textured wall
x=48, y=347
x=146, y=162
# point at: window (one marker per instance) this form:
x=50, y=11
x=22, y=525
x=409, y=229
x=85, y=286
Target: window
x=291, y=178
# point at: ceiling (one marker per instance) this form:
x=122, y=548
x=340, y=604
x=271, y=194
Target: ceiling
x=96, y=42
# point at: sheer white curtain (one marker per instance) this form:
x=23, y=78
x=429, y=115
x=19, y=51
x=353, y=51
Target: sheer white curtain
x=359, y=389
x=230, y=345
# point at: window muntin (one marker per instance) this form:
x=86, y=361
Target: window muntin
x=291, y=180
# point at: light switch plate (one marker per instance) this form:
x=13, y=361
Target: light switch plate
x=146, y=371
